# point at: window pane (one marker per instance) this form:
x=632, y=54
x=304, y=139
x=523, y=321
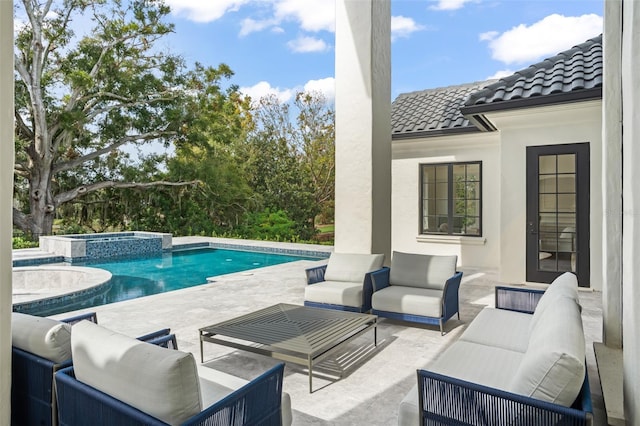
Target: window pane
x=473, y=172
x=458, y=224
x=567, y=183
x=430, y=224
x=442, y=173
x=442, y=190
x=442, y=207
x=547, y=203
x=567, y=163
x=548, y=223
x=429, y=173
x=459, y=173
x=547, y=184
x=473, y=208
x=567, y=203
x=443, y=224
x=547, y=164
x=472, y=226
x=473, y=190
x=548, y=242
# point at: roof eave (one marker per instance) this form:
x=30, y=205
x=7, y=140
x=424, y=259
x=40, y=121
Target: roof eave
x=434, y=133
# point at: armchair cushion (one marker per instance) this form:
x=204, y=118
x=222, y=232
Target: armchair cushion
x=352, y=267
x=421, y=270
x=161, y=382
x=409, y=300
x=499, y=328
x=45, y=337
x=344, y=293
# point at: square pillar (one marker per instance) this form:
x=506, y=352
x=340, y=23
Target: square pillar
x=363, y=127
x=6, y=203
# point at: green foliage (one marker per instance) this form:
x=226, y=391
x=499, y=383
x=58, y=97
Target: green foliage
x=22, y=243
x=270, y=225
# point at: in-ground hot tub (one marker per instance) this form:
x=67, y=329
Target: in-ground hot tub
x=45, y=289
x=83, y=247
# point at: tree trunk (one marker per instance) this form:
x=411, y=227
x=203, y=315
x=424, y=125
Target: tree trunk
x=42, y=204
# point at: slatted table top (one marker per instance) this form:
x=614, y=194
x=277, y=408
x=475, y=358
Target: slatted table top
x=294, y=328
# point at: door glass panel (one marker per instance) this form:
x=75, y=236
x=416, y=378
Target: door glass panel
x=557, y=213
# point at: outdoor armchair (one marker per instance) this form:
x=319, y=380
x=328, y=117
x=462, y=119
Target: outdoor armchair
x=344, y=283
x=118, y=380
x=40, y=347
x=419, y=288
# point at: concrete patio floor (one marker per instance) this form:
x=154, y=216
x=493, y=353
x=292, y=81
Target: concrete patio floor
x=375, y=379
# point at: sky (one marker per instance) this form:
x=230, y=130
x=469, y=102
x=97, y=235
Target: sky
x=287, y=46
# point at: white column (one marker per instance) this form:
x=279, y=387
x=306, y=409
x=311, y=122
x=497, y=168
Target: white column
x=6, y=197
x=363, y=126
x=612, y=178
x=631, y=208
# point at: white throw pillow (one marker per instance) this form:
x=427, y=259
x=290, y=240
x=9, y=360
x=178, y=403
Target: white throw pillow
x=44, y=337
x=158, y=381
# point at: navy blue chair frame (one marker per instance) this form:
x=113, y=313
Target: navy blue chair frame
x=444, y=400
x=256, y=403
x=316, y=275
x=450, y=301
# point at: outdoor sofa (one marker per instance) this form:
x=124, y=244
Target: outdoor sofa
x=521, y=363
x=420, y=288
x=344, y=283
x=40, y=347
x=119, y=380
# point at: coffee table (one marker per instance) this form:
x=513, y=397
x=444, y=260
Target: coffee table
x=294, y=333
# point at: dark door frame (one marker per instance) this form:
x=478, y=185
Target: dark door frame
x=582, y=152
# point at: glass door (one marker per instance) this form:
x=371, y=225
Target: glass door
x=558, y=212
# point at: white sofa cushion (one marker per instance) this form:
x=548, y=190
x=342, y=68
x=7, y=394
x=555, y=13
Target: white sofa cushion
x=44, y=337
x=566, y=285
x=335, y=292
x=421, y=270
x=553, y=366
x=500, y=328
x=351, y=267
x=158, y=381
x=408, y=300
x=215, y=385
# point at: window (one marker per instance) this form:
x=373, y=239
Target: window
x=450, y=200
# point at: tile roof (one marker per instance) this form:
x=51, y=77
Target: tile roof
x=433, y=111
x=575, y=74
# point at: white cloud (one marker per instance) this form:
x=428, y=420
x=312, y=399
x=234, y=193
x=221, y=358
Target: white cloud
x=307, y=44
x=251, y=25
x=264, y=88
x=204, y=11
x=312, y=15
x=326, y=86
x=449, y=4
x=500, y=74
x=523, y=43
x=402, y=26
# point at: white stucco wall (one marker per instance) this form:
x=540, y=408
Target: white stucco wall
x=6, y=196
x=482, y=252
x=562, y=124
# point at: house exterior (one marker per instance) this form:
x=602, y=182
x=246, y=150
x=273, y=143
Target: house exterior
x=506, y=173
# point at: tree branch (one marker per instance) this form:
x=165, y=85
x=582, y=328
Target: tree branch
x=82, y=190
x=24, y=221
x=68, y=165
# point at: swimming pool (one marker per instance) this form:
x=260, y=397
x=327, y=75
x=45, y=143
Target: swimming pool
x=152, y=274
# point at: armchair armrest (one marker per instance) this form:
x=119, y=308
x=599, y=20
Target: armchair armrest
x=380, y=278
x=257, y=402
x=450, y=296
x=518, y=299
x=452, y=401
x=90, y=316
x=315, y=274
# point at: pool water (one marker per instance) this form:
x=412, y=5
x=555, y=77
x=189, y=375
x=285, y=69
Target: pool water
x=144, y=276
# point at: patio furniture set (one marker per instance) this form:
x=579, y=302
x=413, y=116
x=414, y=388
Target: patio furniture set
x=519, y=363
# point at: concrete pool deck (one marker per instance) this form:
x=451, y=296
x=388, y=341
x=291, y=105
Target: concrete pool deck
x=375, y=379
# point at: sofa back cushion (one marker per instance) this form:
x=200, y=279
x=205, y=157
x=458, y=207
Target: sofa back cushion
x=352, y=267
x=566, y=285
x=421, y=270
x=553, y=366
x=158, y=381
x=44, y=337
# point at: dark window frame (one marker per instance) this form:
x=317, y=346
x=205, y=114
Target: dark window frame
x=450, y=198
